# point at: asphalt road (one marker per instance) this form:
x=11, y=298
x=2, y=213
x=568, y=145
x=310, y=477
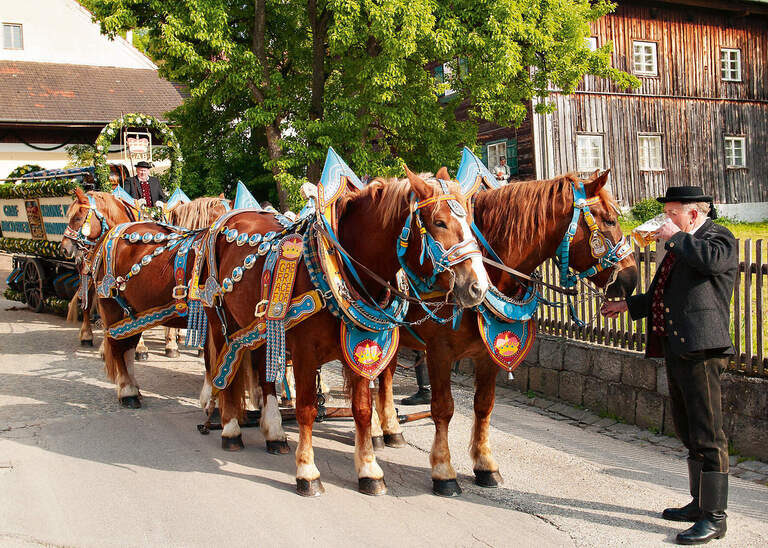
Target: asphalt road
x=78, y=470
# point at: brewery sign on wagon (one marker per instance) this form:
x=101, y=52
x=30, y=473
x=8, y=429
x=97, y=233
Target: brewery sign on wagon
x=34, y=218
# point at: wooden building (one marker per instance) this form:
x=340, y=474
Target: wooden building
x=699, y=117
x=62, y=81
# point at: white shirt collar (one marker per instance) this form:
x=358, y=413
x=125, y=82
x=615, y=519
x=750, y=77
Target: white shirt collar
x=692, y=232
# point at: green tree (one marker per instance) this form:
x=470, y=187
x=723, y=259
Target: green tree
x=351, y=73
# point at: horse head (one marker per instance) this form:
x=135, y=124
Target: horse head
x=90, y=217
x=445, y=216
x=599, y=243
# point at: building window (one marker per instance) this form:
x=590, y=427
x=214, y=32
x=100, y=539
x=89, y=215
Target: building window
x=644, y=57
x=592, y=43
x=649, y=147
x=443, y=76
x=730, y=65
x=12, y=36
x=589, y=152
x=735, y=155
x=496, y=151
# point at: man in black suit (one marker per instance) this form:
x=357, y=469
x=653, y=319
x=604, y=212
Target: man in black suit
x=142, y=185
x=687, y=306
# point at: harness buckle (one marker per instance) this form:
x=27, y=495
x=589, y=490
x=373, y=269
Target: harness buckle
x=179, y=292
x=261, y=308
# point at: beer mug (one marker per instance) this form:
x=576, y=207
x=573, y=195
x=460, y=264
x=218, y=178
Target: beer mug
x=644, y=234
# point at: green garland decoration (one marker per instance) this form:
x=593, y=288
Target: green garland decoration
x=38, y=189
x=53, y=305
x=23, y=170
x=41, y=248
x=112, y=130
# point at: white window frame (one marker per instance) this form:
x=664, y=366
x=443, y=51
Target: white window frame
x=644, y=69
x=730, y=150
x=645, y=159
x=585, y=144
x=592, y=43
x=493, y=161
x=21, y=36
x=728, y=67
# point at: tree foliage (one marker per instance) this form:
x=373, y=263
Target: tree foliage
x=351, y=73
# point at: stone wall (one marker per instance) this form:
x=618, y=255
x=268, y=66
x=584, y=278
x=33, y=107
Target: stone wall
x=626, y=385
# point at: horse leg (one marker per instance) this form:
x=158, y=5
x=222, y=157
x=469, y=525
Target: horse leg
x=308, y=482
x=484, y=465
x=231, y=407
x=118, y=357
x=444, y=482
x=271, y=422
x=370, y=476
x=377, y=435
x=142, y=352
x=385, y=406
x=86, y=333
x=171, y=342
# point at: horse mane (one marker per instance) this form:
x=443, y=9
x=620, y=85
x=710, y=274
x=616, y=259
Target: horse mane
x=520, y=213
x=199, y=213
x=106, y=203
x=392, y=195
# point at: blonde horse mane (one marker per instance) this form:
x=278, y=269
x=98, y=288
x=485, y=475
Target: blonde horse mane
x=199, y=213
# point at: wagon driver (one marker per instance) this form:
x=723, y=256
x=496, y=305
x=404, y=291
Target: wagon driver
x=142, y=185
x=687, y=305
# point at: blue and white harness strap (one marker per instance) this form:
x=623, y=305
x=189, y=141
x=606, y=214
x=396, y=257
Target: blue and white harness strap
x=607, y=258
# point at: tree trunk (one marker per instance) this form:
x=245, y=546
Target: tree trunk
x=319, y=24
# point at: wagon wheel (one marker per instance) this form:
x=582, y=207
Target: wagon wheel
x=33, y=285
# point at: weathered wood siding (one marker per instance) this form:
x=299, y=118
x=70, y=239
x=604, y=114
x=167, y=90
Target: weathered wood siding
x=688, y=103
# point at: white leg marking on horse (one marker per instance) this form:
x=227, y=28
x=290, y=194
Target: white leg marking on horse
x=476, y=260
x=101, y=350
x=443, y=470
x=126, y=385
x=171, y=337
x=307, y=471
x=141, y=347
x=205, y=393
x=271, y=420
x=387, y=415
x=86, y=333
x=365, y=459
x=231, y=429
x=375, y=424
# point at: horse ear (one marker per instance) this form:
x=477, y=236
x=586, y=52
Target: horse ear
x=81, y=197
x=222, y=196
x=443, y=174
x=422, y=189
x=597, y=182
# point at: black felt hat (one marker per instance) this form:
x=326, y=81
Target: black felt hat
x=684, y=194
x=143, y=164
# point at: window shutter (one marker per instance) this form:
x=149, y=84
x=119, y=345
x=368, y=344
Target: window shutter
x=485, y=157
x=512, y=161
x=439, y=76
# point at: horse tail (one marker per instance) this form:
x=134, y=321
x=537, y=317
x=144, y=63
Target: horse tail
x=73, y=308
x=110, y=363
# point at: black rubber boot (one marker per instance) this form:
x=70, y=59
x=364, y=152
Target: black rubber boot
x=692, y=510
x=714, y=500
x=422, y=397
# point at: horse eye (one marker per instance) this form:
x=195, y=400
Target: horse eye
x=610, y=223
x=440, y=224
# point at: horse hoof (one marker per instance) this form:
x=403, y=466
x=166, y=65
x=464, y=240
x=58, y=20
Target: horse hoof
x=171, y=353
x=309, y=488
x=235, y=443
x=277, y=447
x=373, y=487
x=378, y=442
x=446, y=488
x=131, y=402
x=142, y=356
x=487, y=478
x=86, y=342
x=395, y=440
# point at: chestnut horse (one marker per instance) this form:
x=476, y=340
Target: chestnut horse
x=370, y=221
x=199, y=213
x=524, y=223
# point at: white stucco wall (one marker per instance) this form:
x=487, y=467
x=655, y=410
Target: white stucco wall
x=748, y=212
x=61, y=31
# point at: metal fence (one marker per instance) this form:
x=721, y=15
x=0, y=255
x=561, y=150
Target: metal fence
x=749, y=328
